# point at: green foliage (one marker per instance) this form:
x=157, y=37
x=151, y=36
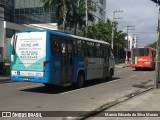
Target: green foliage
x=156, y=1
x=103, y=31
x=153, y=45
x=70, y=13
x=62, y=9
x=76, y=17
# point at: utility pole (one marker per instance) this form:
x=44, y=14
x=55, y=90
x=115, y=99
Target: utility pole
x=127, y=45
x=113, y=25
x=157, y=72
x=86, y=16
x=134, y=42
x=158, y=55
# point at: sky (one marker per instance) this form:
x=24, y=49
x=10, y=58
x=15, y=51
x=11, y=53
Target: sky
x=141, y=13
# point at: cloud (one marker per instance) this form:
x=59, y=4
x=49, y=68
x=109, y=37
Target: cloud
x=141, y=13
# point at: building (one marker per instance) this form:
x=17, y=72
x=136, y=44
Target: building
x=132, y=42
x=101, y=10
x=31, y=11
x=18, y=15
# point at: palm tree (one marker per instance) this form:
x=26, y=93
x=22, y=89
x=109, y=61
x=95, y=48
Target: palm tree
x=62, y=9
x=120, y=42
x=77, y=15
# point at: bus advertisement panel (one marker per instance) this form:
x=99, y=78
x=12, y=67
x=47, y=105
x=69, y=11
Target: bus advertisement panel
x=30, y=54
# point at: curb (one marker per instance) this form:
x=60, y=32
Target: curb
x=4, y=79
x=111, y=104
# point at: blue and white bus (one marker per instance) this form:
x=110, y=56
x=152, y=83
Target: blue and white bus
x=55, y=58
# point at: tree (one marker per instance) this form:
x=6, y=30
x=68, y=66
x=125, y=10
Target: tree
x=119, y=44
x=153, y=45
x=156, y=1
x=103, y=31
x=63, y=7
x=100, y=31
x=76, y=17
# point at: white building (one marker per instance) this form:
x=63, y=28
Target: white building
x=132, y=42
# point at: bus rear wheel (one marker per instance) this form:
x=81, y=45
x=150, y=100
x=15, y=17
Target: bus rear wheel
x=109, y=77
x=48, y=85
x=80, y=81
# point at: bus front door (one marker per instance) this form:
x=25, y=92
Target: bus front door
x=67, y=62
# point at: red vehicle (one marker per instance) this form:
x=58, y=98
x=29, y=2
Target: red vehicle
x=143, y=58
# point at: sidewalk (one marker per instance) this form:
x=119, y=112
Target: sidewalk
x=4, y=79
x=148, y=101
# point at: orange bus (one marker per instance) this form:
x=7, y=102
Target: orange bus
x=143, y=58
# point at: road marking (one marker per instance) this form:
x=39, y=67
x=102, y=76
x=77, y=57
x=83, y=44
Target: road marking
x=133, y=75
x=71, y=91
x=28, y=86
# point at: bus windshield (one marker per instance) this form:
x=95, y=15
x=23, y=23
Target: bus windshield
x=141, y=51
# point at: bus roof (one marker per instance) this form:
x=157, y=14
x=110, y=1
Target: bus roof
x=144, y=47
x=66, y=35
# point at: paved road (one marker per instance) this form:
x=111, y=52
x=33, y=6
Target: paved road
x=15, y=96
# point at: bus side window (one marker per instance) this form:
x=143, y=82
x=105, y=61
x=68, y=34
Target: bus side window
x=91, y=49
x=79, y=47
x=84, y=48
x=104, y=51
x=101, y=51
x=75, y=47
x=55, y=46
x=70, y=52
x=64, y=53
x=97, y=45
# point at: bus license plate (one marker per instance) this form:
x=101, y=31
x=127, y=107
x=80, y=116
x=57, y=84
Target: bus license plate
x=26, y=79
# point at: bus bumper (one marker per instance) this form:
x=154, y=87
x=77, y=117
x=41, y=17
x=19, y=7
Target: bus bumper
x=146, y=65
x=29, y=79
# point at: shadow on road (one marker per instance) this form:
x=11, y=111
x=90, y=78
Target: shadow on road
x=144, y=69
x=58, y=89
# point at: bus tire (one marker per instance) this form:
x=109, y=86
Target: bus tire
x=48, y=85
x=80, y=81
x=110, y=75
